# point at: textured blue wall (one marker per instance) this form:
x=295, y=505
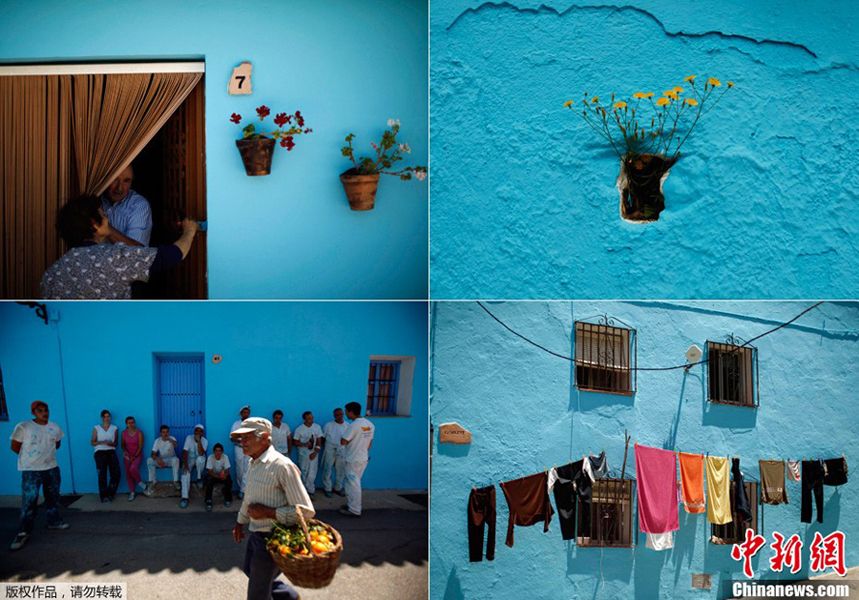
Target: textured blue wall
x=292, y=356
x=525, y=416
x=524, y=199
x=348, y=66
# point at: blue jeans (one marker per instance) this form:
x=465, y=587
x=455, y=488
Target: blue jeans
x=261, y=572
x=30, y=482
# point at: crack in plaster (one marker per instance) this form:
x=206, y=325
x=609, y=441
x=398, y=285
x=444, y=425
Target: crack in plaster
x=617, y=9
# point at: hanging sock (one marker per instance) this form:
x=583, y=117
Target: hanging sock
x=718, y=490
x=773, y=490
x=527, y=502
x=659, y=541
x=656, y=480
x=692, y=480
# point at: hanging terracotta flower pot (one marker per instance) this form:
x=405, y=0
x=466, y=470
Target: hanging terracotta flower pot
x=256, y=154
x=640, y=184
x=360, y=189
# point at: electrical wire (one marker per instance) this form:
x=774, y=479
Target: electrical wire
x=683, y=366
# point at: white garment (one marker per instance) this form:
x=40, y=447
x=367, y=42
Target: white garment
x=333, y=458
x=104, y=436
x=660, y=541
x=359, y=435
x=352, y=485
x=303, y=434
x=171, y=461
x=333, y=431
x=243, y=461
x=309, y=467
x=552, y=479
x=191, y=447
x=198, y=463
x=217, y=466
x=280, y=438
x=164, y=448
x=38, y=445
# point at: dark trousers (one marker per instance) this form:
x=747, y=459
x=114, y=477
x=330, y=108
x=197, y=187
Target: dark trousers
x=261, y=572
x=481, y=511
x=105, y=460
x=741, y=499
x=30, y=482
x=226, y=488
x=812, y=481
x=573, y=485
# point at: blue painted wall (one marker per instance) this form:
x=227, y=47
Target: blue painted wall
x=348, y=66
x=525, y=416
x=292, y=356
x=524, y=198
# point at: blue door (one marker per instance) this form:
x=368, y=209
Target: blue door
x=179, y=394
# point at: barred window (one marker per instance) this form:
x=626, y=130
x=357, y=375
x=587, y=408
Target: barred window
x=735, y=531
x=732, y=374
x=603, y=357
x=610, y=515
x=382, y=387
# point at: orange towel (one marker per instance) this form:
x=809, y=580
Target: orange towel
x=692, y=482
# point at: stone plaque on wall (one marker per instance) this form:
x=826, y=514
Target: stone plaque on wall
x=240, y=80
x=453, y=433
x=701, y=581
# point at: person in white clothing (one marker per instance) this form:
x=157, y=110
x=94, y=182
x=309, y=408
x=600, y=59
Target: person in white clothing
x=333, y=454
x=163, y=455
x=357, y=440
x=218, y=469
x=281, y=435
x=193, y=457
x=105, y=439
x=242, y=461
x=308, y=439
x=36, y=443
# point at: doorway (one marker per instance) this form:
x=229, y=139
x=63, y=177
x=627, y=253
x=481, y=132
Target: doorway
x=179, y=394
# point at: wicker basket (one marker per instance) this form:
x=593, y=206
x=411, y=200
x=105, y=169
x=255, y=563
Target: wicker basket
x=315, y=570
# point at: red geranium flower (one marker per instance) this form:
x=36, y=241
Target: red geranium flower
x=236, y=118
x=308, y=130
x=263, y=111
x=281, y=119
x=287, y=143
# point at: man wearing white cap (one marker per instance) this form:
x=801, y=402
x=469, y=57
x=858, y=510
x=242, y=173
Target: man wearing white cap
x=357, y=439
x=273, y=494
x=334, y=454
x=193, y=456
x=308, y=439
x=241, y=458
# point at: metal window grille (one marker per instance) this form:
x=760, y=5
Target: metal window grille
x=605, y=357
x=382, y=387
x=611, y=515
x=732, y=373
x=735, y=531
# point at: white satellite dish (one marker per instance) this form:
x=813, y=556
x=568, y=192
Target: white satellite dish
x=693, y=354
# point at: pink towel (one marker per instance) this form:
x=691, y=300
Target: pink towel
x=656, y=474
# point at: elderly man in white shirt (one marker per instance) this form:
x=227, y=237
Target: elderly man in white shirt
x=357, y=439
x=281, y=434
x=334, y=454
x=308, y=439
x=163, y=455
x=242, y=460
x=273, y=494
x=193, y=457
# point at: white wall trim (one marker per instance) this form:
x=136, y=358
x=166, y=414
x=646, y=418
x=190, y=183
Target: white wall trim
x=104, y=68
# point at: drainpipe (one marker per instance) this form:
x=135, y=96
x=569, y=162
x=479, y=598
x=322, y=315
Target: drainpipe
x=55, y=319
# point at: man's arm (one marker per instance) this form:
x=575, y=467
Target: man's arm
x=16, y=446
x=117, y=237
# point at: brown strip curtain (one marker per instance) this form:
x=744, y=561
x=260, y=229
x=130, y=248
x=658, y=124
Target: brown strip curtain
x=61, y=135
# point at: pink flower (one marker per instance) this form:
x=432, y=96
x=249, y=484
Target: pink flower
x=393, y=122
x=235, y=118
x=420, y=175
x=263, y=111
x=405, y=148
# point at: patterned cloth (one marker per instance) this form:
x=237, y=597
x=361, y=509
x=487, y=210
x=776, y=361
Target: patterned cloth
x=131, y=216
x=97, y=271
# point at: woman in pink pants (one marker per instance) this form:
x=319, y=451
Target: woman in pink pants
x=132, y=452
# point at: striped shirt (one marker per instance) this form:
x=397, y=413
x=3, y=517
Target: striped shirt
x=131, y=216
x=274, y=480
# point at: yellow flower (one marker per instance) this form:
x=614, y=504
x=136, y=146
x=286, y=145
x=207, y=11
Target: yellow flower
x=691, y=101
x=663, y=102
x=714, y=82
x=642, y=95
x=678, y=89
x=595, y=99
x=620, y=104
x=568, y=103
x=670, y=94
x=730, y=84
x=690, y=79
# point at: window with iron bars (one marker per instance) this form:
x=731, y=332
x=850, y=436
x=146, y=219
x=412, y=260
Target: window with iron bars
x=735, y=531
x=382, y=387
x=604, y=358
x=611, y=515
x=732, y=374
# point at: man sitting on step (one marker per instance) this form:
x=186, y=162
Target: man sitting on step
x=163, y=455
